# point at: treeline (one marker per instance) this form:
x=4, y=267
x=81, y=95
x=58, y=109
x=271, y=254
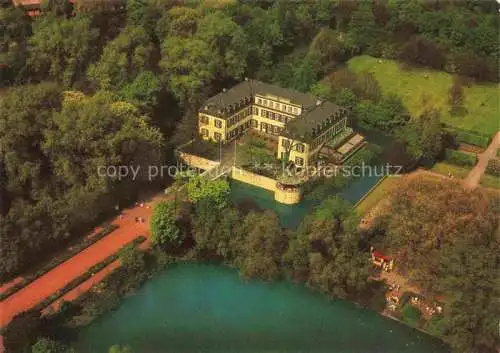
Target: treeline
x=147, y=52
x=326, y=252
x=448, y=244
x=53, y=143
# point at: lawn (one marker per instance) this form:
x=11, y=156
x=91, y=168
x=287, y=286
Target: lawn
x=481, y=101
x=381, y=190
x=456, y=171
x=490, y=181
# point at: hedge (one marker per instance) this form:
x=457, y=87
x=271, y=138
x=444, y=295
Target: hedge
x=460, y=158
x=82, y=278
x=493, y=167
x=469, y=137
x=59, y=260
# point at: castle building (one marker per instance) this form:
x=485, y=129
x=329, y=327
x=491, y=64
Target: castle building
x=301, y=122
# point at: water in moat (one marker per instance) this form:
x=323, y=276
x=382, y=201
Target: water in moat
x=206, y=308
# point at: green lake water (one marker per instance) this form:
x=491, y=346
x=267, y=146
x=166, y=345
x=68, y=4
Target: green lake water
x=205, y=308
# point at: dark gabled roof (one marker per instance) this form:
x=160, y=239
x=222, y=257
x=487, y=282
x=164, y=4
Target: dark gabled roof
x=247, y=90
x=294, y=96
x=302, y=127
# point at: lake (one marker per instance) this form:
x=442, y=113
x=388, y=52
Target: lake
x=205, y=308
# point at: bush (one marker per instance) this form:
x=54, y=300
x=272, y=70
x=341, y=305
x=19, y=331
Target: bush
x=469, y=137
x=80, y=279
x=59, y=260
x=493, y=167
x=460, y=158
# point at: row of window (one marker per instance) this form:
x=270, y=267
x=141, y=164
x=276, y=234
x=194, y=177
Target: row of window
x=278, y=106
x=274, y=116
x=238, y=117
x=238, y=130
x=206, y=121
x=268, y=128
x=298, y=161
x=299, y=147
x=338, y=127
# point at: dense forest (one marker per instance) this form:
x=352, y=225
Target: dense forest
x=86, y=86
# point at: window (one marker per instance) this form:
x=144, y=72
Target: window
x=254, y=123
x=300, y=148
x=259, y=101
x=289, y=109
x=255, y=111
x=217, y=136
x=295, y=110
x=218, y=123
x=262, y=112
x=299, y=161
x=277, y=106
x=283, y=107
x=285, y=143
x=204, y=132
x=276, y=130
x=264, y=102
x=204, y=119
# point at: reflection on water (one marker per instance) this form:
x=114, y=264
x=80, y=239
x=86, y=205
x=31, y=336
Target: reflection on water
x=292, y=215
x=202, y=308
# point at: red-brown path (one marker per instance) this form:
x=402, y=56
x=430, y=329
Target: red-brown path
x=58, y=277
x=477, y=172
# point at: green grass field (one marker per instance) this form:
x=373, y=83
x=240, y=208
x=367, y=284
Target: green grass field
x=381, y=190
x=481, y=101
x=490, y=181
x=456, y=171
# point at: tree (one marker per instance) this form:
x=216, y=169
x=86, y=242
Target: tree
x=61, y=49
x=123, y=59
x=22, y=331
x=16, y=29
x=164, y=230
x=226, y=42
x=423, y=136
x=216, y=231
x=456, y=95
x=422, y=52
x=143, y=92
x=188, y=66
x=200, y=188
x=448, y=245
x=178, y=21
x=326, y=50
x=362, y=27
x=45, y=345
x=325, y=252
x=132, y=259
x=305, y=75
x=263, y=246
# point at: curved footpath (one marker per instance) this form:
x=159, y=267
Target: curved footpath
x=41, y=288
x=477, y=172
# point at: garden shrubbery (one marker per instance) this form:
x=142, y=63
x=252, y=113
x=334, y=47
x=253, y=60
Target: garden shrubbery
x=468, y=137
x=460, y=158
x=493, y=167
x=59, y=260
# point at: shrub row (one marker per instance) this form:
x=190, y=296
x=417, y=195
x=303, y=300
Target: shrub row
x=59, y=260
x=493, y=167
x=469, y=137
x=460, y=158
x=82, y=278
